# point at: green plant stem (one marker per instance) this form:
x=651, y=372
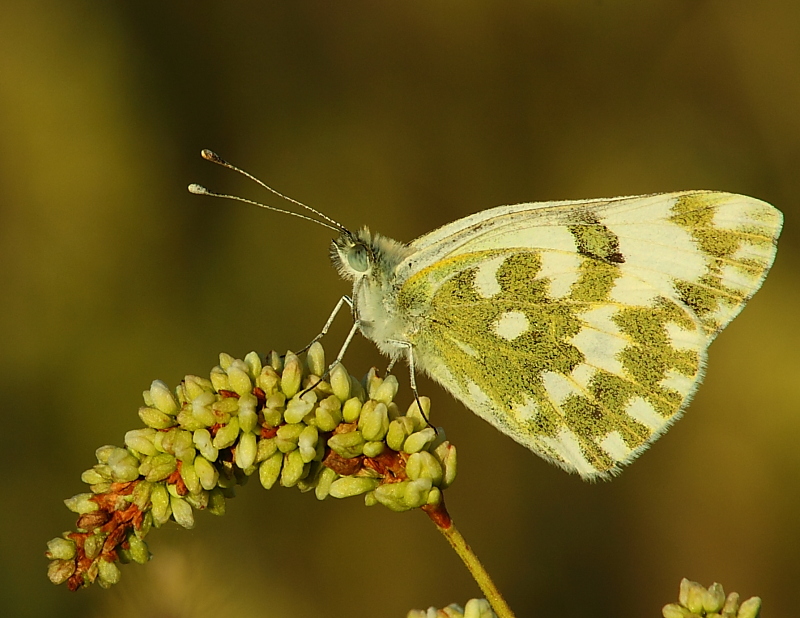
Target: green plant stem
x=442, y=520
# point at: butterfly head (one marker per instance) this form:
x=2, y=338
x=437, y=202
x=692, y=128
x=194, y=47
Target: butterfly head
x=361, y=254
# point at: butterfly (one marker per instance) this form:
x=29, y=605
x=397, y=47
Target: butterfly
x=578, y=328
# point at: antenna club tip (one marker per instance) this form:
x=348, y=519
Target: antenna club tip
x=210, y=155
x=198, y=189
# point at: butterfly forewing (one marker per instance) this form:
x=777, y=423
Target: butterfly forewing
x=580, y=328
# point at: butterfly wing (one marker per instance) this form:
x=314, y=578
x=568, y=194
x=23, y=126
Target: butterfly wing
x=580, y=329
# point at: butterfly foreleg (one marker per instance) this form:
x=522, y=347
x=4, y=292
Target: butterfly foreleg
x=342, y=301
x=412, y=372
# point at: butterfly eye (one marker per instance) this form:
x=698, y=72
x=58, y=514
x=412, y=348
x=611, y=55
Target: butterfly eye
x=358, y=258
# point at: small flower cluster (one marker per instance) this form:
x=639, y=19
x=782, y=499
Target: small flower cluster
x=475, y=608
x=275, y=418
x=696, y=601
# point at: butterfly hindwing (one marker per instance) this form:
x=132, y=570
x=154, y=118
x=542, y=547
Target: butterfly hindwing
x=580, y=328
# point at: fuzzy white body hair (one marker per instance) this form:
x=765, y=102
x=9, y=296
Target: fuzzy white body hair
x=369, y=261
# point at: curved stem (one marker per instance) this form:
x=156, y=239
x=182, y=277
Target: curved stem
x=441, y=519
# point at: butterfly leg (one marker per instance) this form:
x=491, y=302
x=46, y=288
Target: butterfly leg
x=412, y=373
x=342, y=301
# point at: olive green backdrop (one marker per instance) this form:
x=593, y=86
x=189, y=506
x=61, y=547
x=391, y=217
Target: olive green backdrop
x=401, y=116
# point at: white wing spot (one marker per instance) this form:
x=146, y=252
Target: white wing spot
x=511, y=325
x=582, y=374
x=562, y=268
x=615, y=446
x=601, y=341
x=486, y=282
x=567, y=448
x=678, y=382
x=638, y=409
x=527, y=411
x=558, y=386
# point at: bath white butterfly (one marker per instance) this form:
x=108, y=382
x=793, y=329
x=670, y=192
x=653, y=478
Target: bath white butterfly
x=578, y=328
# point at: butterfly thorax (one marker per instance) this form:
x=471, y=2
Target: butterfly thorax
x=369, y=261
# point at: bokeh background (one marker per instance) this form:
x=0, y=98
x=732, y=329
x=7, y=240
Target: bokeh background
x=402, y=116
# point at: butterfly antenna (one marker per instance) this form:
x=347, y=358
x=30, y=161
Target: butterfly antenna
x=209, y=155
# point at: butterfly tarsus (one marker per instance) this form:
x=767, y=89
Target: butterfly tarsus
x=412, y=374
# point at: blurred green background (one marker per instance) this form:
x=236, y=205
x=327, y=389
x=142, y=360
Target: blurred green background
x=402, y=116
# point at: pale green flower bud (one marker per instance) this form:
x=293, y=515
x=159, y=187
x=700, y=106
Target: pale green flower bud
x=357, y=390
x=93, y=477
x=328, y=414
x=292, y=375
x=416, y=415
x=190, y=478
x=351, y=410
x=268, y=380
x=197, y=501
x=248, y=417
x=159, y=498
x=93, y=545
x=478, y=608
x=202, y=440
x=424, y=465
x=59, y=571
x=417, y=493
x=108, y=572
x=155, y=418
x=141, y=440
x=254, y=365
x=239, y=380
x=138, y=549
x=307, y=443
x=216, y=502
x=183, y=445
x=104, y=452
x=714, y=598
x=158, y=468
x=373, y=449
x=225, y=360
x=348, y=486
x=387, y=390
x=163, y=399
x=392, y=495
x=288, y=435
x=219, y=379
x=294, y=468
x=446, y=455
x=298, y=407
x=419, y=440
x=61, y=549
x=270, y=469
x=182, y=512
x=434, y=496
x=372, y=382
x=348, y=445
x=124, y=466
x=315, y=359
x=227, y=434
x=374, y=420
x=246, y=450
x=224, y=409
x=750, y=608
x=340, y=382
x=324, y=482
x=399, y=429
x=731, y=607
x=691, y=595
x=266, y=448
x=201, y=408
x=206, y=472
x=195, y=386
x=674, y=610
x=141, y=494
